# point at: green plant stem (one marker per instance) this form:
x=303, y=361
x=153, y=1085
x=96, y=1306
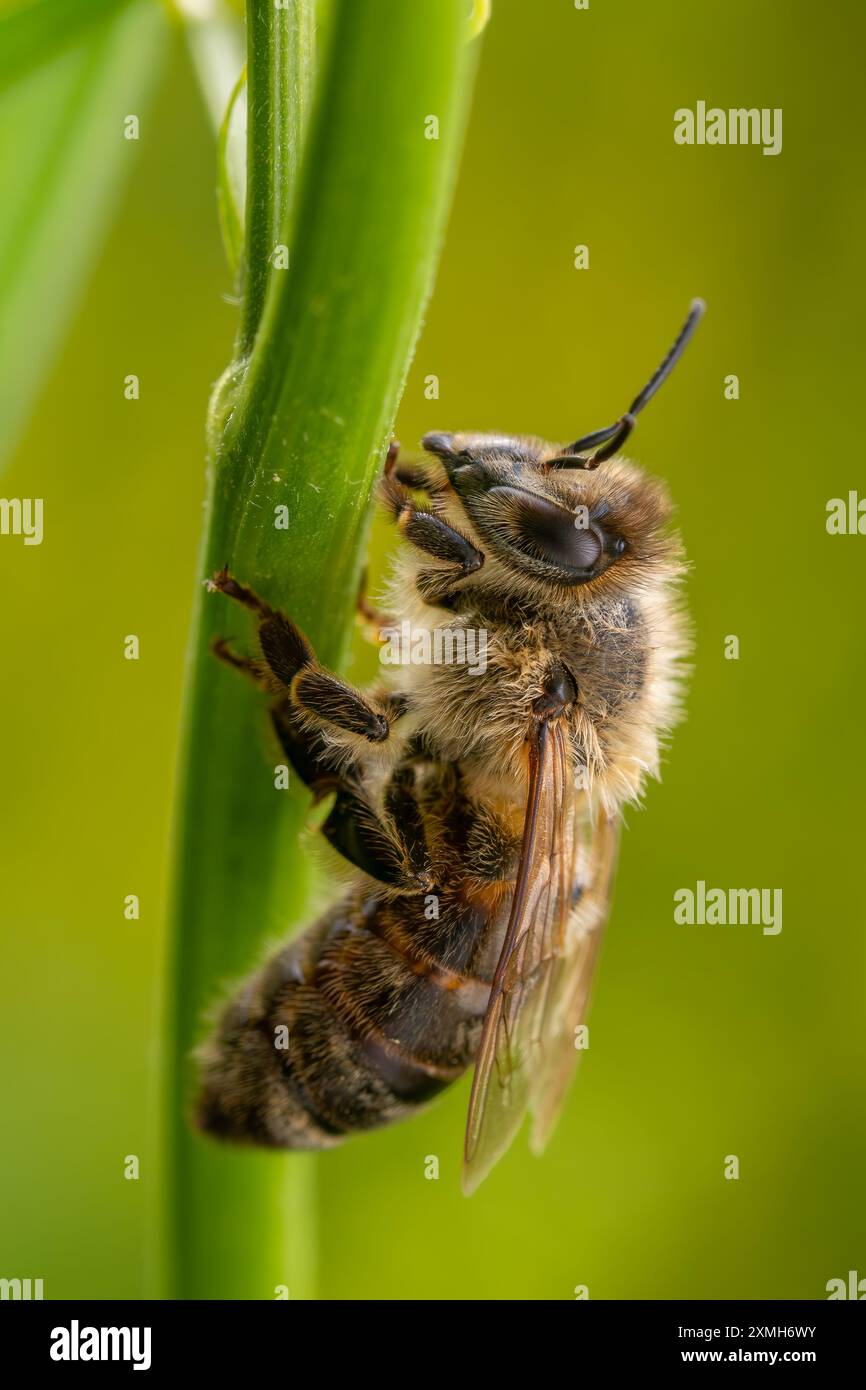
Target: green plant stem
x=302, y=423
x=279, y=66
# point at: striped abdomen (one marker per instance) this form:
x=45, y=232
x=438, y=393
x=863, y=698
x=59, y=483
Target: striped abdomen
x=368, y=1014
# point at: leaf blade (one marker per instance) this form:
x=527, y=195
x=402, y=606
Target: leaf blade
x=60, y=190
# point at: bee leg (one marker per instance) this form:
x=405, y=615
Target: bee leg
x=245, y=664
x=317, y=693
x=391, y=458
x=225, y=583
x=284, y=649
x=370, y=619
x=319, y=765
x=428, y=532
x=392, y=852
x=401, y=804
x=291, y=661
x=436, y=587
x=417, y=476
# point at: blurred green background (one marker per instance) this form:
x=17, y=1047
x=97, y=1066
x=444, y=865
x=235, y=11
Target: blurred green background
x=705, y=1041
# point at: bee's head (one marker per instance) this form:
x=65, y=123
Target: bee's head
x=564, y=516
x=560, y=528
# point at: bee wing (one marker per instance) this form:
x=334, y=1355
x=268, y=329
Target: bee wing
x=539, y=991
x=570, y=976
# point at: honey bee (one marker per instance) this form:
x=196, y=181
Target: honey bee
x=479, y=806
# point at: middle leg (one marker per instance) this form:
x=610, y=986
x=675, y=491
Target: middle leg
x=289, y=665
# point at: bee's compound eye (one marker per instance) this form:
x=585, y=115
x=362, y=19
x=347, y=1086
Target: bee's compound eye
x=546, y=531
x=619, y=547
x=584, y=550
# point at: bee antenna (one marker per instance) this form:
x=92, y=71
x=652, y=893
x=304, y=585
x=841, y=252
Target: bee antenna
x=612, y=437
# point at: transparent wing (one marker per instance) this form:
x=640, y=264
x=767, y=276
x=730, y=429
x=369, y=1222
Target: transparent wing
x=569, y=980
x=541, y=985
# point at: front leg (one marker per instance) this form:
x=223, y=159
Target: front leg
x=427, y=531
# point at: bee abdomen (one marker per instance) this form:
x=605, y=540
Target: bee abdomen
x=339, y=1033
